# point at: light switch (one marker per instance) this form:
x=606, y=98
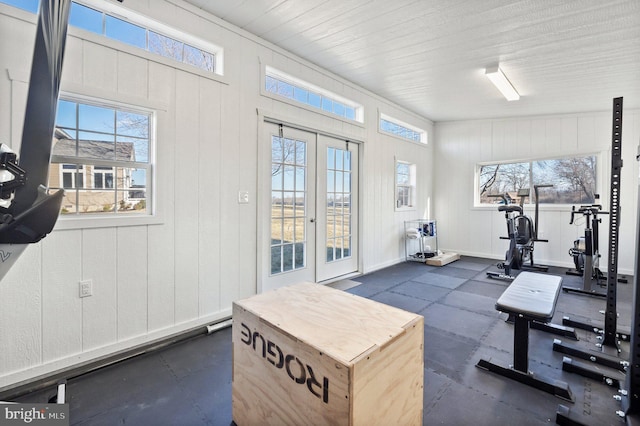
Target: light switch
x=243, y=197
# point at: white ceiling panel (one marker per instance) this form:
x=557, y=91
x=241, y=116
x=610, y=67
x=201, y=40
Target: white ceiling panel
x=429, y=56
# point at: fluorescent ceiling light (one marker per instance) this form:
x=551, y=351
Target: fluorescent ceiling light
x=503, y=84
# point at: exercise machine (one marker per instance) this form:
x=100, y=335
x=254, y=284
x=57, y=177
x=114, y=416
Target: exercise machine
x=608, y=352
x=512, y=257
x=522, y=233
x=27, y=211
x=585, y=252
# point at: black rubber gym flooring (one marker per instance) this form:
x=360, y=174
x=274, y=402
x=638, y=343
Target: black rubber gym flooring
x=190, y=383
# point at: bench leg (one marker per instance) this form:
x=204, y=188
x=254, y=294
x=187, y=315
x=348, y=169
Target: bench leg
x=520, y=370
x=554, y=387
x=521, y=344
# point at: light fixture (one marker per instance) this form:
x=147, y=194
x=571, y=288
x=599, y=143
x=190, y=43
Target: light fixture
x=501, y=81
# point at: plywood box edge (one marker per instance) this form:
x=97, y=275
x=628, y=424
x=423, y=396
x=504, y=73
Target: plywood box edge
x=443, y=259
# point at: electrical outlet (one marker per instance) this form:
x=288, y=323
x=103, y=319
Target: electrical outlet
x=86, y=288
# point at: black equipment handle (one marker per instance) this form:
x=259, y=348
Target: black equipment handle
x=505, y=197
x=573, y=212
x=593, y=209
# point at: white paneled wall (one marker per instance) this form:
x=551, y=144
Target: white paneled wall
x=476, y=230
x=185, y=268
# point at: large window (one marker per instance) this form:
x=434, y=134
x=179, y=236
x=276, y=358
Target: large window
x=102, y=157
x=573, y=180
x=405, y=185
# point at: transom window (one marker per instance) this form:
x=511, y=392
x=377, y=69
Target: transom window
x=28, y=5
x=573, y=180
x=101, y=157
x=139, y=32
x=402, y=130
x=289, y=87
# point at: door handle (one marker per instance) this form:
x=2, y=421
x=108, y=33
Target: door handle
x=312, y=220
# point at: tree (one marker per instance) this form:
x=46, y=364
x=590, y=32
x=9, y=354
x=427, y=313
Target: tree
x=580, y=174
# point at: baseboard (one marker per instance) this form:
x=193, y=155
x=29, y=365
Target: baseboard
x=44, y=375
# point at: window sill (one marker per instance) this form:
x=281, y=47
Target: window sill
x=529, y=207
x=406, y=209
x=68, y=223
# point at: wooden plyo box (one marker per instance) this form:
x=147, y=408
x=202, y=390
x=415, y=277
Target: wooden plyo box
x=310, y=354
x=443, y=259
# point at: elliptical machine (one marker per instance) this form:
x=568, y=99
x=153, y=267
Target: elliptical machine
x=522, y=233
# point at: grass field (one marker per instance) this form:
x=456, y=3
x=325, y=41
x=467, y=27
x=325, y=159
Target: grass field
x=288, y=223
x=288, y=236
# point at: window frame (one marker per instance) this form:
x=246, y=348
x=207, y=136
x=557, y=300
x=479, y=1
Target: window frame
x=118, y=12
x=411, y=186
x=600, y=167
x=78, y=169
x=323, y=107
x=424, y=135
x=103, y=171
x=151, y=215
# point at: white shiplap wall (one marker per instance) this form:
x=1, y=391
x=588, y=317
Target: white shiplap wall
x=476, y=230
x=185, y=268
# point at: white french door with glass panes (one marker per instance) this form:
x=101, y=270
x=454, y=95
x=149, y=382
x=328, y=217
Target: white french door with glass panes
x=309, y=197
x=337, y=199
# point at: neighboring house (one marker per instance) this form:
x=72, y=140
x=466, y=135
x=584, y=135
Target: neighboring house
x=92, y=187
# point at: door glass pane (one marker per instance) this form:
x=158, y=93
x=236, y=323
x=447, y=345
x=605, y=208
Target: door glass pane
x=338, y=204
x=299, y=256
x=276, y=259
x=287, y=257
x=288, y=204
x=330, y=254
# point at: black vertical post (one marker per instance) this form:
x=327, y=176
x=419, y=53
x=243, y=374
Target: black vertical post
x=610, y=318
x=42, y=100
x=521, y=344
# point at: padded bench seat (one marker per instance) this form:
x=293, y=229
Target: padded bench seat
x=530, y=297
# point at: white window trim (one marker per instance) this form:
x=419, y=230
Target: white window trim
x=155, y=215
x=79, y=33
x=412, y=186
x=424, y=135
x=103, y=172
x=121, y=12
x=266, y=69
x=73, y=173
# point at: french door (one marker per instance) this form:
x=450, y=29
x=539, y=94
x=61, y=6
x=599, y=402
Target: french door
x=337, y=207
x=309, y=207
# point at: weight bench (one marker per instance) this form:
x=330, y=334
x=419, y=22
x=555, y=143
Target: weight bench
x=530, y=297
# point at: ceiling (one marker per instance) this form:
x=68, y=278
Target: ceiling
x=429, y=55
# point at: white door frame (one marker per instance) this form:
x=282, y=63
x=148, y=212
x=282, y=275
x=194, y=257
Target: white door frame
x=264, y=186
